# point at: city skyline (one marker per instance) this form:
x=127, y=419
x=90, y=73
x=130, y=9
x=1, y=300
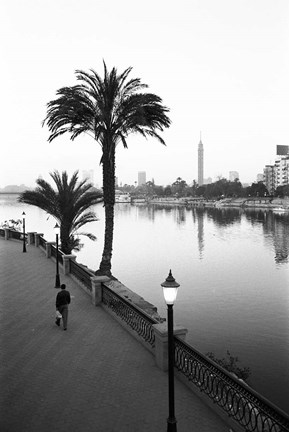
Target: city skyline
x=221, y=68
x=89, y=173
x=120, y=183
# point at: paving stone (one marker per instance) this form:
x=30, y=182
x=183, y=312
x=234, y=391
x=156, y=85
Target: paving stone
x=95, y=377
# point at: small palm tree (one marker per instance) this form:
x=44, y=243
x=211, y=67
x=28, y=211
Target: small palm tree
x=69, y=204
x=108, y=109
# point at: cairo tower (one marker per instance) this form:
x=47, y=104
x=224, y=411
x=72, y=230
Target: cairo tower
x=200, y=163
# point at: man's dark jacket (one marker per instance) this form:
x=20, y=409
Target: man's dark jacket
x=62, y=298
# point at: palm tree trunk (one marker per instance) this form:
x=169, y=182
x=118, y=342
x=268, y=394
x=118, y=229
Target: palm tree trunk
x=64, y=238
x=108, y=163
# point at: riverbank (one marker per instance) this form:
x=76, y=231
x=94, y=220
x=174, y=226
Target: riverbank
x=251, y=202
x=269, y=203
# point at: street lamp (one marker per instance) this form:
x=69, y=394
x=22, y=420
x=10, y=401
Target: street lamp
x=170, y=290
x=24, y=239
x=57, y=279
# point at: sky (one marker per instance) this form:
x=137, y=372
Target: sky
x=221, y=67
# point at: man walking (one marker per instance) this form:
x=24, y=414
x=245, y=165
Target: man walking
x=62, y=302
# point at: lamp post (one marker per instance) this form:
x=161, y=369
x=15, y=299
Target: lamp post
x=24, y=239
x=57, y=279
x=170, y=289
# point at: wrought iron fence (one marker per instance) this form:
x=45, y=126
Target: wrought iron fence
x=239, y=401
x=136, y=318
x=81, y=274
x=2, y=232
x=17, y=235
x=42, y=242
x=60, y=254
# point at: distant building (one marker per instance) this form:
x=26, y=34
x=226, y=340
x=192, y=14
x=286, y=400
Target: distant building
x=208, y=180
x=282, y=171
x=141, y=178
x=200, y=163
x=282, y=150
x=277, y=174
x=260, y=178
x=269, y=178
x=233, y=175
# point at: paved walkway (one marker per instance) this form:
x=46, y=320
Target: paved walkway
x=94, y=377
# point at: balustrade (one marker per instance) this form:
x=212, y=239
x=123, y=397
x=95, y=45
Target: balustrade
x=54, y=254
x=16, y=235
x=243, y=404
x=81, y=274
x=137, y=319
x=42, y=242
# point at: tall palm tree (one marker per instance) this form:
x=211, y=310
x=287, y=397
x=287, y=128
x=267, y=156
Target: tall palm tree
x=69, y=204
x=108, y=109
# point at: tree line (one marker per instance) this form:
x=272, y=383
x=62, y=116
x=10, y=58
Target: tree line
x=222, y=188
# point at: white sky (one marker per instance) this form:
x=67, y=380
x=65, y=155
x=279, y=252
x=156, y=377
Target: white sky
x=222, y=67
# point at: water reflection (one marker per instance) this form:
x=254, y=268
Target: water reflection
x=225, y=216
x=149, y=211
x=257, y=216
x=275, y=226
x=201, y=243
x=275, y=229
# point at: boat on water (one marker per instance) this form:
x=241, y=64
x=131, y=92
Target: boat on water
x=280, y=210
x=139, y=200
x=122, y=197
x=167, y=200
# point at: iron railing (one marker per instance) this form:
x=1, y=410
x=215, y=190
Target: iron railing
x=32, y=238
x=16, y=235
x=42, y=242
x=247, y=407
x=135, y=317
x=53, y=251
x=81, y=274
x=60, y=254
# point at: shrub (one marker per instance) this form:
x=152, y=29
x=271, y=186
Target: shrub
x=230, y=364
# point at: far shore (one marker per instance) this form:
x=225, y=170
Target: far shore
x=269, y=203
x=259, y=202
x=247, y=202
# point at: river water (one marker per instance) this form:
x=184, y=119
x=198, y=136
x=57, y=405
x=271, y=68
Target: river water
x=232, y=266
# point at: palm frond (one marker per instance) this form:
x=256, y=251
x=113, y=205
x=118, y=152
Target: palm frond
x=68, y=203
x=88, y=235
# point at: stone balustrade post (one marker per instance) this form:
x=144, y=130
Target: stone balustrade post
x=36, y=237
x=31, y=237
x=7, y=233
x=66, y=264
x=161, y=342
x=48, y=249
x=96, y=288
